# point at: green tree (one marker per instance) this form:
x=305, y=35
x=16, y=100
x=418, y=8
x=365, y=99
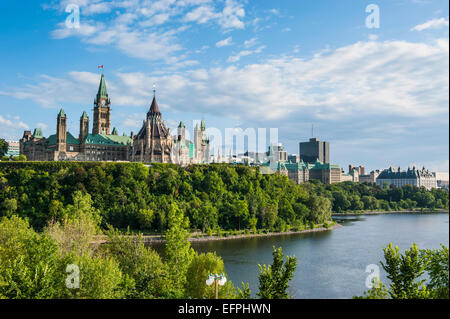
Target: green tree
x=437, y=266
x=3, y=147
x=198, y=271
x=274, y=279
x=178, y=250
x=405, y=272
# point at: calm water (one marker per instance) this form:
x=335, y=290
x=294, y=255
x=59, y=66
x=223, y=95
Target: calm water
x=332, y=264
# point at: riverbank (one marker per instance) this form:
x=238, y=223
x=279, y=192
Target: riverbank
x=157, y=239
x=405, y=211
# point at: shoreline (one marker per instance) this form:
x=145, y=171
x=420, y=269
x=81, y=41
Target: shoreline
x=437, y=211
x=158, y=239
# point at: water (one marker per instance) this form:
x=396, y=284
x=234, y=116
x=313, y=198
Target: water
x=332, y=264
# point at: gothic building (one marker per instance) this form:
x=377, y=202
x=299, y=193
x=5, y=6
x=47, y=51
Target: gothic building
x=201, y=144
x=153, y=143
x=183, y=150
x=101, y=145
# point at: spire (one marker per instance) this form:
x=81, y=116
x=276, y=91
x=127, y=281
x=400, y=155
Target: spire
x=84, y=115
x=154, y=108
x=102, y=93
x=181, y=125
x=114, y=132
x=203, y=126
x=61, y=113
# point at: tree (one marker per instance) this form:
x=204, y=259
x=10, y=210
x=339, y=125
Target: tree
x=3, y=147
x=437, y=266
x=405, y=272
x=140, y=263
x=320, y=209
x=274, y=279
x=200, y=267
x=178, y=248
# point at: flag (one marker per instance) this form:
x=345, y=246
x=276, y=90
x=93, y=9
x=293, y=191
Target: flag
x=100, y=66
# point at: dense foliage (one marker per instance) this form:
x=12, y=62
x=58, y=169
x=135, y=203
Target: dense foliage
x=213, y=197
x=354, y=197
x=406, y=273
x=63, y=262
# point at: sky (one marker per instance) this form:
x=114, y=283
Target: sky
x=375, y=87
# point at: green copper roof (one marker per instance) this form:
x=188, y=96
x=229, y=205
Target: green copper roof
x=104, y=139
x=69, y=139
x=114, y=132
x=102, y=89
x=203, y=126
x=37, y=133
x=62, y=113
x=84, y=115
x=181, y=125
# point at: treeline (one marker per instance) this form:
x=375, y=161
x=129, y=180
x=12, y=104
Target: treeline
x=214, y=197
x=354, y=197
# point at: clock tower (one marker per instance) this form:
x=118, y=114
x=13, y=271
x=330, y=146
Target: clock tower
x=102, y=110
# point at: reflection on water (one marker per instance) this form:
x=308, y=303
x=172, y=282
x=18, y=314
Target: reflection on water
x=331, y=264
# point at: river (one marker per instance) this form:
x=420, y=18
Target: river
x=332, y=264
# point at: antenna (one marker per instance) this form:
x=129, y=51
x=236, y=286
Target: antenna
x=154, y=89
x=312, y=130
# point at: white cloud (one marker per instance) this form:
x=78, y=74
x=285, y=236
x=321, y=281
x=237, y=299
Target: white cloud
x=432, y=24
x=250, y=43
x=145, y=29
x=237, y=57
x=358, y=82
x=225, y=42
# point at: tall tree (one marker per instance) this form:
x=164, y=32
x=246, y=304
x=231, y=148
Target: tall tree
x=274, y=279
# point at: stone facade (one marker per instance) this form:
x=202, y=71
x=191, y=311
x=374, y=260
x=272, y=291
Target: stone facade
x=153, y=142
x=414, y=177
x=87, y=147
x=201, y=144
x=302, y=172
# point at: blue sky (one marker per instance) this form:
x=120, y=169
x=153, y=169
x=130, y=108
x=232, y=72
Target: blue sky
x=379, y=95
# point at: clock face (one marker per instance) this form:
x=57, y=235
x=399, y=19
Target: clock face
x=103, y=103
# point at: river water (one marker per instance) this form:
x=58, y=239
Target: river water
x=332, y=264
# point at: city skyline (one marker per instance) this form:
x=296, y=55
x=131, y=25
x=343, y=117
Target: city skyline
x=378, y=95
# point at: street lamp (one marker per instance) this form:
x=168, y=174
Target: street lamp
x=218, y=280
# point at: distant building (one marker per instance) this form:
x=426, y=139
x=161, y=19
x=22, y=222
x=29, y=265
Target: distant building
x=302, y=172
x=414, y=177
x=325, y=172
x=153, y=142
x=275, y=155
x=315, y=150
x=183, y=150
x=202, y=144
x=13, y=149
x=293, y=158
x=370, y=178
x=360, y=169
x=442, y=179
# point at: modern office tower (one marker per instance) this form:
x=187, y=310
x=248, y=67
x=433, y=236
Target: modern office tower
x=315, y=150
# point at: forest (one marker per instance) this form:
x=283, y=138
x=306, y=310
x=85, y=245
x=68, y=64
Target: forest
x=213, y=197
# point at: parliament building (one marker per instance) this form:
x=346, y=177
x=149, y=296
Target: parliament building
x=153, y=142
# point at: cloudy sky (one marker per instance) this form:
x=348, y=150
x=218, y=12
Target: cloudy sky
x=378, y=95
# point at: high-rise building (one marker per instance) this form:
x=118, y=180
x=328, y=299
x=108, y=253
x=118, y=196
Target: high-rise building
x=315, y=150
